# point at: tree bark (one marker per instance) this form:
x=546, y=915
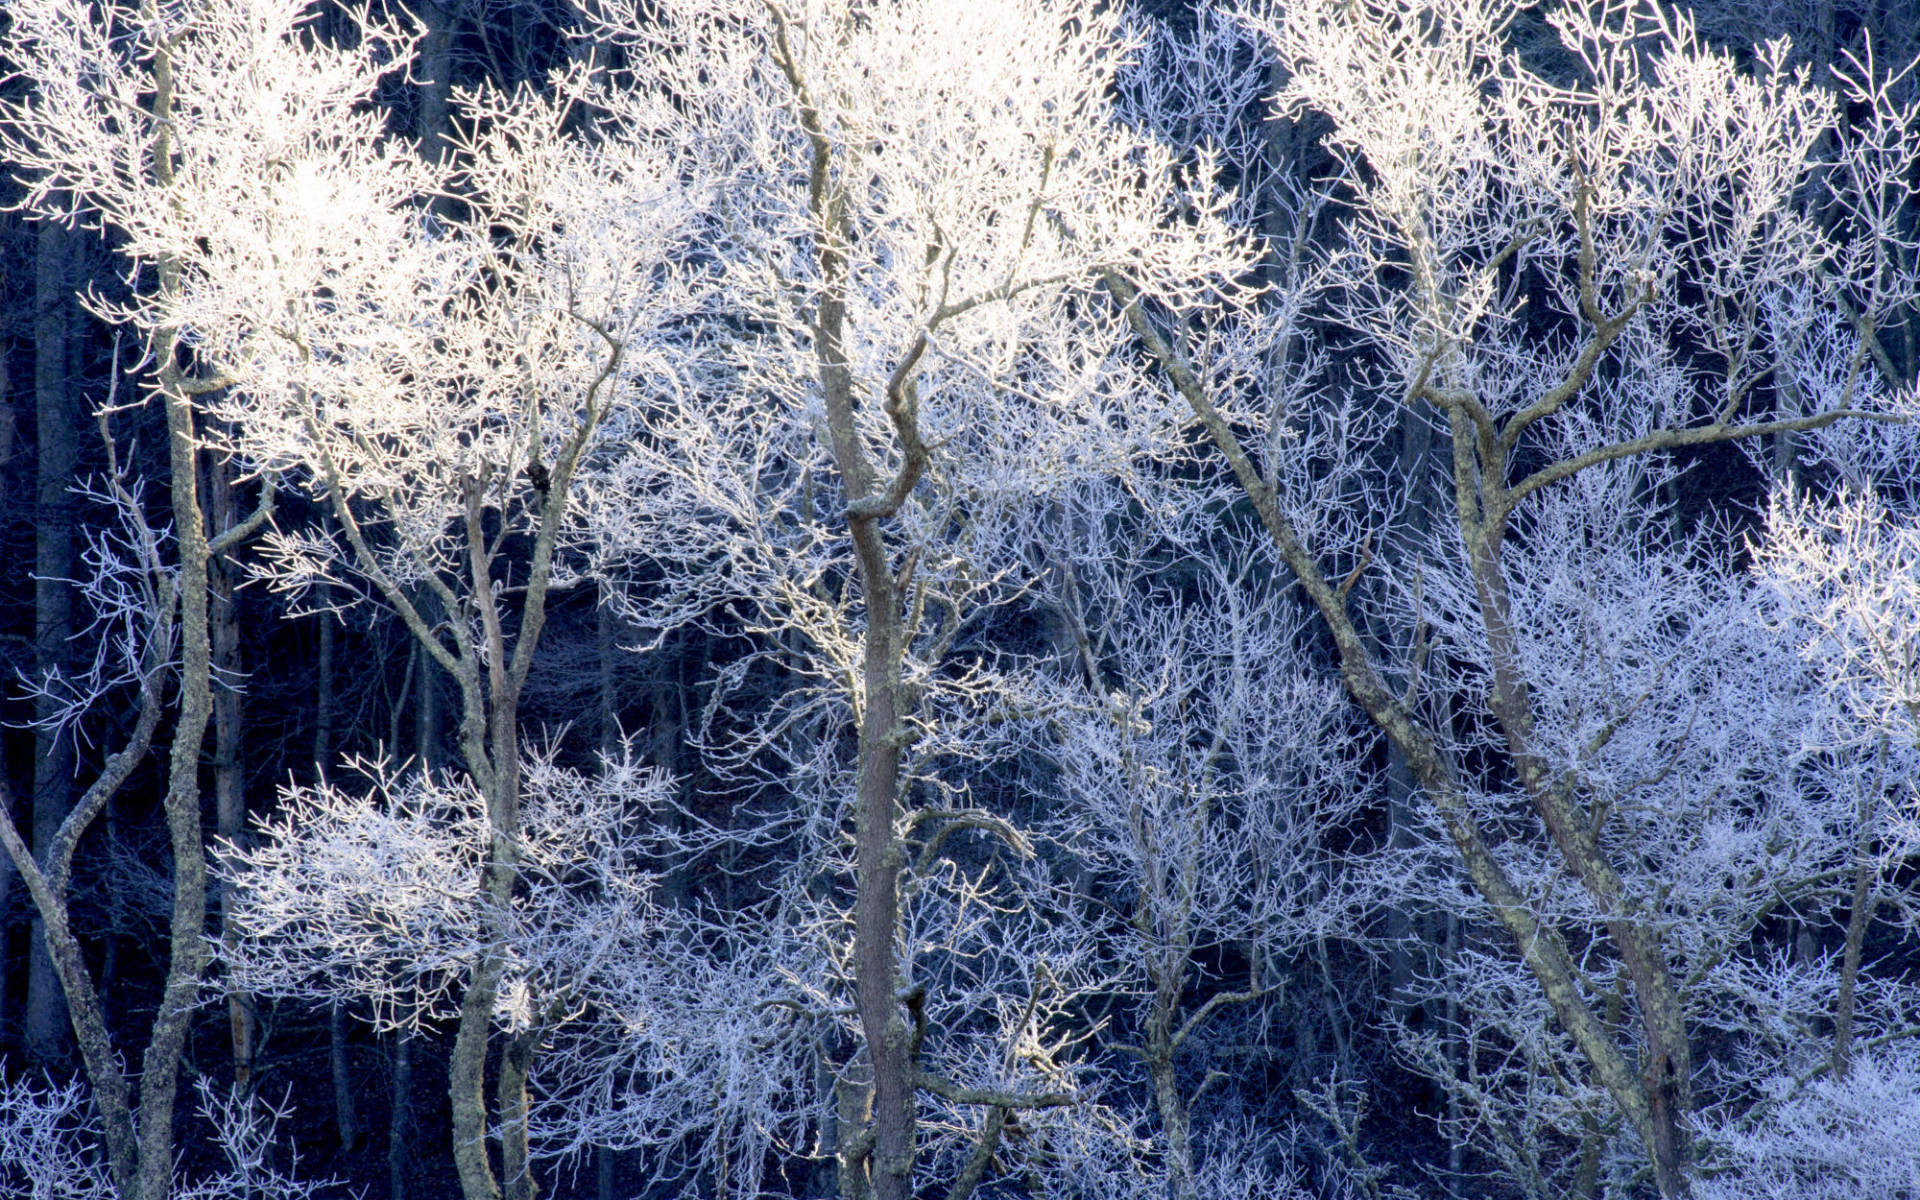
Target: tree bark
x=1666, y=1079
x=853, y=1147
x=878, y=859
x=229, y=773
x=603, y=1173
x=1174, y=1123
x=399, y=1117
x=47, y=880
x=160, y=1065
x=346, y=1121
x=187, y=949
x=45, y=1020
x=516, y=1063
x=1866, y=878
x=111, y=1094
x=490, y=669
x=434, y=77
x=426, y=708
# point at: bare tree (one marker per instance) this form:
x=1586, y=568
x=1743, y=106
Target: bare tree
x=1206, y=773
x=99, y=138
x=919, y=200
x=1514, y=257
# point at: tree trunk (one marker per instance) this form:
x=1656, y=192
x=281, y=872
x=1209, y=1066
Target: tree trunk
x=878, y=859
x=346, y=1121
x=1866, y=878
x=9, y=446
x=434, y=77
x=883, y=732
x=853, y=1149
x=516, y=1063
x=45, y=1025
x=467, y=1077
x=160, y=1065
x=605, y=649
x=426, y=715
x=323, y=687
x=399, y=1116
x=111, y=1095
x=229, y=774
x=1167, y=1099
x=187, y=949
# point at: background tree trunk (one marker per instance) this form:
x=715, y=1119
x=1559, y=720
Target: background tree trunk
x=229, y=773
x=399, y=1116
x=45, y=1024
x=346, y=1121
x=433, y=73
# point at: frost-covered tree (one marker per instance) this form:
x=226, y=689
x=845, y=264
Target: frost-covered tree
x=432, y=374
x=436, y=382
x=920, y=202
x=130, y=108
x=1208, y=788
x=1567, y=274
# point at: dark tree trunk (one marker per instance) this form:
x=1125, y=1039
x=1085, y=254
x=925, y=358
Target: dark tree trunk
x=400, y=1118
x=45, y=1026
x=229, y=775
x=346, y=1121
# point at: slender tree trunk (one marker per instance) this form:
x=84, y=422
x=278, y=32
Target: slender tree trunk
x=9, y=445
x=397, y=708
x=467, y=1068
x=122, y=1138
x=490, y=667
x=399, y=1116
x=160, y=1065
x=882, y=705
x=111, y=1093
x=602, y=1173
x=608, y=723
x=434, y=76
x=605, y=648
x=853, y=1149
x=1866, y=877
x=1404, y=543
x=229, y=768
x=187, y=949
x=45, y=1024
x=516, y=1063
x=426, y=708
x=490, y=744
x=140, y=1149
x=1166, y=1088
x=878, y=859
x=1667, y=1074
x=1456, y=1054
x=323, y=686
x=346, y=1121
x=824, y=1178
